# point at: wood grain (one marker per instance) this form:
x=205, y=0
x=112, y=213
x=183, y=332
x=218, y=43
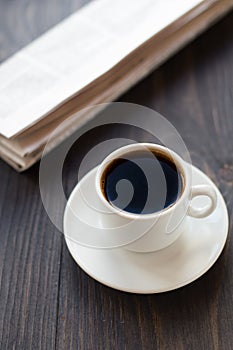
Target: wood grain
x=46, y=300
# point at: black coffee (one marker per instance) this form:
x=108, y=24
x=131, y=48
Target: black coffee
x=142, y=182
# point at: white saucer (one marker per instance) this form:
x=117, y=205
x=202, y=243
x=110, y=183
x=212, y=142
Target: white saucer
x=173, y=267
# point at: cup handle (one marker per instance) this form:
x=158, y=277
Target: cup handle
x=203, y=190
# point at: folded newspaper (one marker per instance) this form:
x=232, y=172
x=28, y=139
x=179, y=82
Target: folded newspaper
x=91, y=57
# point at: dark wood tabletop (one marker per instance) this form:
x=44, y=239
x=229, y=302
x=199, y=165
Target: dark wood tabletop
x=46, y=300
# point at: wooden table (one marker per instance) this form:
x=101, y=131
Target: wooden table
x=46, y=300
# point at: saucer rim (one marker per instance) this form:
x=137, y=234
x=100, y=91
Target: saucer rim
x=224, y=236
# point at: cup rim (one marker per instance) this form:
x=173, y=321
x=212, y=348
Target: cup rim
x=179, y=162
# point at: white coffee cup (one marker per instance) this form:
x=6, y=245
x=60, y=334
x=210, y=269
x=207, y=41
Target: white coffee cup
x=165, y=226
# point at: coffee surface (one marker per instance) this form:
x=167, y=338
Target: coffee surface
x=142, y=182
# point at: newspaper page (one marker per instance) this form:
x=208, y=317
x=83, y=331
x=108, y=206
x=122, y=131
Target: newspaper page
x=77, y=51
